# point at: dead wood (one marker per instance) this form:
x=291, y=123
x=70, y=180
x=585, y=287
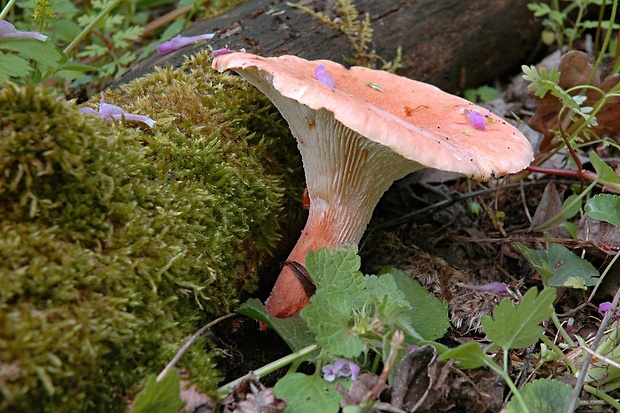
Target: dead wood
x=452, y=44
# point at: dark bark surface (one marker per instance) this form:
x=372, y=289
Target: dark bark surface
x=452, y=44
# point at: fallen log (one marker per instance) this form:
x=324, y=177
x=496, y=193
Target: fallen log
x=452, y=44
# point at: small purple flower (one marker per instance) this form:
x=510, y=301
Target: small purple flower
x=8, y=30
x=322, y=76
x=411, y=347
x=475, y=118
x=179, y=41
x=604, y=307
x=223, y=50
x=112, y=112
x=341, y=368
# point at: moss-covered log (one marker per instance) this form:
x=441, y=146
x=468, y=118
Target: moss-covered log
x=117, y=241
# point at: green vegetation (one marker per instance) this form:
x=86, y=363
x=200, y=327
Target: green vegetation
x=118, y=240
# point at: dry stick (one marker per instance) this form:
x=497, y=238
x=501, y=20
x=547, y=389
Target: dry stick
x=586, y=364
x=189, y=343
x=164, y=20
x=395, y=345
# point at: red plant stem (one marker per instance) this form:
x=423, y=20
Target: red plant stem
x=590, y=176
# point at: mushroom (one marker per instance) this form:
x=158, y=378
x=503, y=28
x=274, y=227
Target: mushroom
x=359, y=130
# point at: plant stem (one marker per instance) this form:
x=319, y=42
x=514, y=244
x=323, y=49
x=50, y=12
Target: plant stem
x=90, y=26
x=7, y=8
x=558, y=351
x=586, y=363
x=603, y=396
x=269, y=368
x=569, y=340
x=515, y=391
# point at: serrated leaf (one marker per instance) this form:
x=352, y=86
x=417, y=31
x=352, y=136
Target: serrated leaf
x=13, y=66
x=390, y=301
x=517, y=326
x=43, y=52
x=293, y=330
x=160, y=397
x=467, y=356
x=429, y=316
x=329, y=316
x=307, y=394
x=604, y=207
x=604, y=171
x=543, y=396
x=338, y=269
x=558, y=266
x=393, y=307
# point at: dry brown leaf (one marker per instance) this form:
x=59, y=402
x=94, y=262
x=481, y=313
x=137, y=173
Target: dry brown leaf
x=575, y=68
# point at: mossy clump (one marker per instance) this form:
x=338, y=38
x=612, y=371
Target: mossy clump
x=117, y=241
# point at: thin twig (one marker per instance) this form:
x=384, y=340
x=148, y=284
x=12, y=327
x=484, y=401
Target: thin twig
x=586, y=364
x=189, y=343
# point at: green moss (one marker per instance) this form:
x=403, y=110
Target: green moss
x=118, y=241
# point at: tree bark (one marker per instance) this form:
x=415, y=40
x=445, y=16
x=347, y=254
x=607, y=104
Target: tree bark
x=452, y=44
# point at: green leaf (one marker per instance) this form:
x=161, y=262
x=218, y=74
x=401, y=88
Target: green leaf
x=13, y=66
x=293, y=330
x=338, y=269
x=307, y=394
x=560, y=267
x=43, y=52
x=543, y=396
x=482, y=94
x=429, y=316
x=160, y=397
x=393, y=308
x=331, y=267
x=604, y=207
x=467, y=356
x=517, y=326
x=604, y=171
x=329, y=315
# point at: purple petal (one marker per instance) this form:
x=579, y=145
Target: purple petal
x=346, y=368
x=8, y=30
x=89, y=111
x=328, y=372
x=111, y=112
x=492, y=287
x=322, y=76
x=223, y=50
x=604, y=307
x=140, y=118
x=475, y=118
x=411, y=347
x=179, y=41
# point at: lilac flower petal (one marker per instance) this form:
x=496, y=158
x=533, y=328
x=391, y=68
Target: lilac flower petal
x=411, y=347
x=223, y=50
x=89, y=111
x=604, y=307
x=475, y=118
x=329, y=373
x=140, y=118
x=179, y=41
x=8, y=30
x=492, y=287
x=346, y=368
x=322, y=76
x=111, y=112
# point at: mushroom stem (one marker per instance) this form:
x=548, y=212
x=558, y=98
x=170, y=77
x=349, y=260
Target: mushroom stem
x=346, y=176
x=327, y=227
